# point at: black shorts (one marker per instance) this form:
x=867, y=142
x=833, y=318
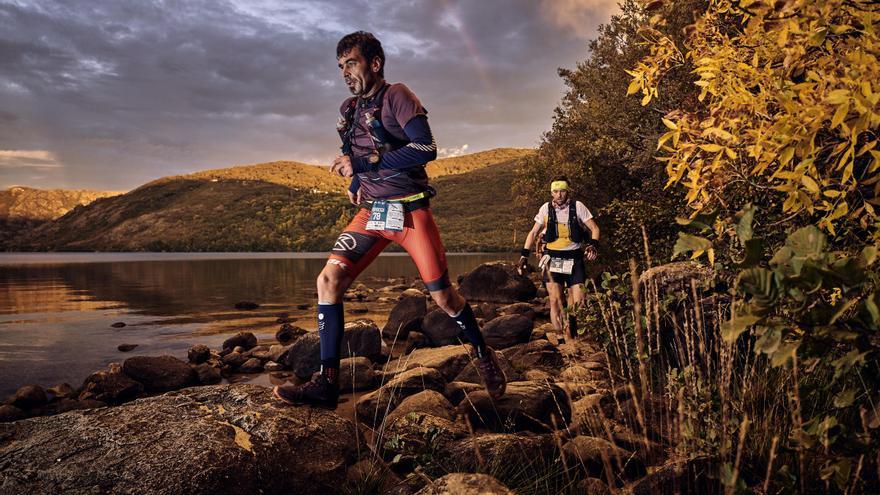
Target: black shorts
x=578, y=272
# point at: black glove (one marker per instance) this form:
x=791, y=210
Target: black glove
x=523, y=263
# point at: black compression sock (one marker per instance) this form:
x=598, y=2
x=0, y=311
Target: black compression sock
x=468, y=323
x=330, y=327
x=572, y=325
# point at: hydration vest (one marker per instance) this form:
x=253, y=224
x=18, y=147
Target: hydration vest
x=575, y=231
x=383, y=140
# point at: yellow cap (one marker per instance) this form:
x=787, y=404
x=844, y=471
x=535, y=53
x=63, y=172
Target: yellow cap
x=558, y=185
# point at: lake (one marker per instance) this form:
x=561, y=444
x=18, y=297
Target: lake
x=56, y=310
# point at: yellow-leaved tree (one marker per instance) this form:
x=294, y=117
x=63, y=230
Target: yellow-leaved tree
x=790, y=93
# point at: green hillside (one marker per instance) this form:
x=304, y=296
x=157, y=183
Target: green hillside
x=278, y=206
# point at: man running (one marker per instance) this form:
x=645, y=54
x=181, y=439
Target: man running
x=572, y=236
x=386, y=144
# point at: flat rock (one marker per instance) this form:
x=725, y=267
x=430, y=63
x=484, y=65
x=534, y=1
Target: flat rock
x=497, y=282
x=373, y=407
x=508, y=330
x=448, y=360
x=406, y=316
x=159, y=373
x=204, y=440
x=532, y=406
x=465, y=484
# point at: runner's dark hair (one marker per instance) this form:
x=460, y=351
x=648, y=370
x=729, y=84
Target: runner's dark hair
x=370, y=47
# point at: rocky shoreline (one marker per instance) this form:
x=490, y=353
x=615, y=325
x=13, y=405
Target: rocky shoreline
x=419, y=422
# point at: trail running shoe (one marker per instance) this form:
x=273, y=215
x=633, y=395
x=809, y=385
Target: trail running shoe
x=318, y=391
x=493, y=375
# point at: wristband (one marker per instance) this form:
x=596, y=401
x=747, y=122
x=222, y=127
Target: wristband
x=525, y=253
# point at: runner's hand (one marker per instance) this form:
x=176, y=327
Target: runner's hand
x=342, y=166
x=354, y=198
x=522, y=265
x=590, y=253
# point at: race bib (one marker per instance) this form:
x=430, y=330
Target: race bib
x=386, y=215
x=561, y=265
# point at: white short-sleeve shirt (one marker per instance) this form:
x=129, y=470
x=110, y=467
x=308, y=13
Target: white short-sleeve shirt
x=563, y=244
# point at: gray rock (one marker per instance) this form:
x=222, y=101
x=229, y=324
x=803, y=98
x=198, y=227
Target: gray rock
x=204, y=440
x=508, y=330
x=159, y=373
x=198, y=354
x=243, y=339
x=532, y=406
x=465, y=484
x=497, y=282
x=29, y=397
x=110, y=385
x=440, y=329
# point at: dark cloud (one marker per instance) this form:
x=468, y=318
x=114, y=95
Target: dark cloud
x=124, y=92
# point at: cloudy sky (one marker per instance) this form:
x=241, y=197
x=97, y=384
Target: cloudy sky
x=103, y=94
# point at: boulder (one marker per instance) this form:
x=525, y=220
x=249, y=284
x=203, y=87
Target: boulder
x=362, y=338
x=198, y=354
x=465, y=484
x=497, y=282
x=29, y=397
x=534, y=354
x=207, y=374
x=110, y=385
x=288, y=333
x=508, y=330
x=159, y=373
x=456, y=391
x=10, y=413
x=356, y=374
x=407, y=437
x=243, y=339
x=494, y=451
x=203, y=440
x=426, y=401
x=61, y=391
x=520, y=308
x=416, y=340
x=471, y=373
x=234, y=359
x=406, y=315
x=448, y=360
x=594, y=453
x=532, y=406
x=304, y=355
x=440, y=329
x=278, y=353
x=252, y=365
x=373, y=407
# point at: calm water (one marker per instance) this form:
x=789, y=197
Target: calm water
x=56, y=310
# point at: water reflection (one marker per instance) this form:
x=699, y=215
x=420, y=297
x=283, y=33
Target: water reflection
x=55, y=317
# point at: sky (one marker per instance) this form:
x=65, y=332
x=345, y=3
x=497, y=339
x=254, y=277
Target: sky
x=108, y=95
